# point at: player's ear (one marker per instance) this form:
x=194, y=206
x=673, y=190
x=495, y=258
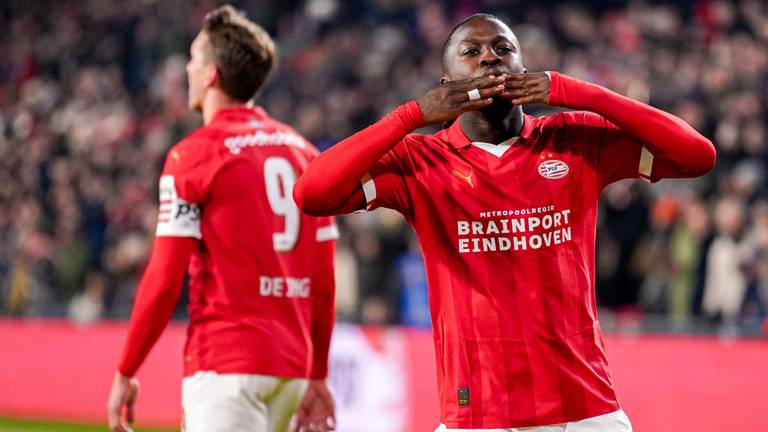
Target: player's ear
x=211, y=74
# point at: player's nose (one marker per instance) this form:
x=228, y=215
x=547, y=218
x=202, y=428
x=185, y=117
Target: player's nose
x=490, y=59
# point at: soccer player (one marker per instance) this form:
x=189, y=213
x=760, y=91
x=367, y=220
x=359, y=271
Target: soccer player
x=504, y=205
x=261, y=272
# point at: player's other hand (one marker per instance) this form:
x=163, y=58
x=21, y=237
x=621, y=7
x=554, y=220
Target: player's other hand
x=122, y=396
x=316, y=412
x=452, y=98
x=526, y=88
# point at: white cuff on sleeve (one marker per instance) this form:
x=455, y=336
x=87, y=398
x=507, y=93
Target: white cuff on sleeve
x=646, y=164
x=369, y=189
x=328, y=232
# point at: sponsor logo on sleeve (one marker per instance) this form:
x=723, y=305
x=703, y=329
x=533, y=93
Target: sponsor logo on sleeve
x=553, y=169
x=177, y=217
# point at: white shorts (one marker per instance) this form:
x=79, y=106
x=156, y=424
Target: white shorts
x=616, y=421
x=239, y=402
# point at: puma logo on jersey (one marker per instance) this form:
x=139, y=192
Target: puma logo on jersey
x=175, y=156
x=467, y=178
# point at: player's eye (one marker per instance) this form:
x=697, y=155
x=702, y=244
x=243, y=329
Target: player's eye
x=470, y=52
x=503, y=49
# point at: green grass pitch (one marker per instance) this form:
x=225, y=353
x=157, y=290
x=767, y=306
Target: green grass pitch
x=15, y=425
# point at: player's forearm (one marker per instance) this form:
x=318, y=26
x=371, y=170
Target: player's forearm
x=156, y=299
x=323, y=311
x=665, y=135
x=334, y=175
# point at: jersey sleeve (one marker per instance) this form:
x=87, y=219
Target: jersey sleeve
x=323, y=311
x=384, y=184
x=181, y=192
x=156, y=298
x=620, y=155
x=327, y=230
x=635, y=139
x=355, y=173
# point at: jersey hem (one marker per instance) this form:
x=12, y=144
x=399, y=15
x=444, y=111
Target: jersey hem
x=544, y=421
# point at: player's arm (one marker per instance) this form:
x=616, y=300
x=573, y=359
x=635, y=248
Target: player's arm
x=317, y=410
x=323, y=311
x=331, y=183
x=666, y=136
x=156, y=299
x=176, y=238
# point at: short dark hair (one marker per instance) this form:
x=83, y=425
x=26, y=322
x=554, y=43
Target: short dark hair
x=459, y=25
x=242, y=51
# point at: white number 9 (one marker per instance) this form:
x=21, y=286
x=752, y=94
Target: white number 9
x=279, y=178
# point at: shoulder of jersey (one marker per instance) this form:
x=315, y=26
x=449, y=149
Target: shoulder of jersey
x=438, y=139
x=309, y=147
x=569, y=118
x=265, y=128
x=193, y=150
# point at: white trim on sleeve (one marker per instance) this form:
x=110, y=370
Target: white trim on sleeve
x=369, y=189
x=646, y=164
x=328, y=232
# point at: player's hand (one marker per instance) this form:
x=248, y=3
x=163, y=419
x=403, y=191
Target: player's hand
x=122, y=395
x=316, y=412
x=451, y=99
x=527, y=88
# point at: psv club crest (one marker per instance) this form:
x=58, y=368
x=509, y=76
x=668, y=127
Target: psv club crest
x=553, y=169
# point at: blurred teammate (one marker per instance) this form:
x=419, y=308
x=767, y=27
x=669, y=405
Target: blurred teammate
x=504, y=206
x=261, y=273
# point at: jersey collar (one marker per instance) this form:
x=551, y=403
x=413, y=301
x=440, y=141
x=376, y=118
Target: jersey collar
x=240, y=111
x=458, y=140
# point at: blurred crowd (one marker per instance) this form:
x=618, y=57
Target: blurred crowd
x=93, y=94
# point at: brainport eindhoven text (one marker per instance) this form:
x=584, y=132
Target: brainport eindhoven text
x=535, y=228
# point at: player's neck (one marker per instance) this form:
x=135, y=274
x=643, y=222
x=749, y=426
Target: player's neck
x=214, y=101
x=495, y=124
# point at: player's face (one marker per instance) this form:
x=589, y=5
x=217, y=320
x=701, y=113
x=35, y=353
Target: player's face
x=198, y=71
x=482, y=47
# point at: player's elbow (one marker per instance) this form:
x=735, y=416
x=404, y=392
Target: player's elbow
x=302, y=197
x=703, y=159
x=308, y=198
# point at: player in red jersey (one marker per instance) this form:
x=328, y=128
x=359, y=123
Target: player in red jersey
x=504, y=206
x=261, y=272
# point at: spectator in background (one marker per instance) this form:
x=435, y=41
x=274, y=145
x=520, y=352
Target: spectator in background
x=653, y=256
x=756, y=263
x=725, y=284
x=687, y=243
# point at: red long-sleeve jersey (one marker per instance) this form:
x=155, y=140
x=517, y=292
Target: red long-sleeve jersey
x=508, y=237
x=261, y=272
